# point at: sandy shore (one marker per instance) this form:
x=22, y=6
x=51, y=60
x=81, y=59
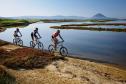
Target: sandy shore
x=71, y=71
x=66, y=71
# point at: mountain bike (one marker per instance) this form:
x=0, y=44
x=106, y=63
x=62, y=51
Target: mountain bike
x=18, y=41
x=37, y=44
x=60, y=47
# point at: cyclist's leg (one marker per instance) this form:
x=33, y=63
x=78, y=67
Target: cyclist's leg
x=16, y=40
x=55, y=43
x=32, y=38
x=34, y=41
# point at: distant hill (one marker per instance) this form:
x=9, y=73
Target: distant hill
x=1, y=17
x=100, y=16
x=49, y=17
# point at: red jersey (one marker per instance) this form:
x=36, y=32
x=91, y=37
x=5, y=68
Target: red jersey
x=55, y=34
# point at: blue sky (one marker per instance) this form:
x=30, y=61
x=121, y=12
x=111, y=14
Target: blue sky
x=86, y=8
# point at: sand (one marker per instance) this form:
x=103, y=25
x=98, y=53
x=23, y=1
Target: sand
x=67, y=71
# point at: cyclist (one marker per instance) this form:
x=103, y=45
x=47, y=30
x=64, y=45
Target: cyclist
x=16, y=33
x=55, y=39
x=35, y=35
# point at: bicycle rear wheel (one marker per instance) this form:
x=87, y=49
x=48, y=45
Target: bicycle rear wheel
x=40, y=46
x=63, y=51
x=14, y=42
x=32, y=44
x=20, y=43
x=51, y=48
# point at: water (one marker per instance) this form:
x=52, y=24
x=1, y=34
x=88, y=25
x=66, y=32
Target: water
x=107, y=26
x=104, y=46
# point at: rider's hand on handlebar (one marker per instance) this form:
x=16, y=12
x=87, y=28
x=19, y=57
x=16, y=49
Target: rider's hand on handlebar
x=39, y=37
x=20, y=36
x=62, y=40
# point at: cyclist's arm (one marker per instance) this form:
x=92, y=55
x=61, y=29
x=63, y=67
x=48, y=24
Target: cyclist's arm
x=14, y=34
x=61, y=37
x=20, y=34
x=39, y=35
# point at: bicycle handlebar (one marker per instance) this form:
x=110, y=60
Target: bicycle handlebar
x=39, y=38
x=60, y=41
x=18, y=36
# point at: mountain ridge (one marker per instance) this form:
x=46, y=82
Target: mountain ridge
x=98, y=16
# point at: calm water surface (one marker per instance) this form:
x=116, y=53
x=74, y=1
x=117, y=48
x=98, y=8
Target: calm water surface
x=104, y=46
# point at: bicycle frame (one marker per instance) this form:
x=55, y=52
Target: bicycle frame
x=36, y=42
x=60, y=43
x=17, y=39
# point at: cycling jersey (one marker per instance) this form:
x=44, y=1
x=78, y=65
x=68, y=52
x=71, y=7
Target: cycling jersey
x=15, y=34
x=32, y=36
x=54, y=35
x=35, y=34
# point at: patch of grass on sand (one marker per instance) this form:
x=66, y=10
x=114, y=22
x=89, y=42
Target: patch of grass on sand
x=27, y=58
x=3, y=43
x=5, y=77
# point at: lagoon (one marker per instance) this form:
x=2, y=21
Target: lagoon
x=98, y=45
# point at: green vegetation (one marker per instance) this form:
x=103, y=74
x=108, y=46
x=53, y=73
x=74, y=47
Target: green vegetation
x=3, y=43
x=13, y=22
x=93, y=20
x=5, y=77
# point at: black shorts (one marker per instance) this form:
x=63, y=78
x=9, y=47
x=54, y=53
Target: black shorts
x=36, y=36
x=52, y=37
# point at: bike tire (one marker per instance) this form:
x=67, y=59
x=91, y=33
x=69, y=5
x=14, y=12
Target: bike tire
x=51, y=49
x=63, y=51
x=32, y=44
x=40, y=46
x=14, y=42
x=20, y=43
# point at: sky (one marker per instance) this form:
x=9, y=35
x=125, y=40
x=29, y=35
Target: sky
x=86, y=8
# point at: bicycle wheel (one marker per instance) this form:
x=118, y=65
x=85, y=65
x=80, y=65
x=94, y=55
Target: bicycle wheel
x=40, y=46
x=51, y=48
x=20, y=43
x=32, y=44
x=63, y=51
x=14, y=41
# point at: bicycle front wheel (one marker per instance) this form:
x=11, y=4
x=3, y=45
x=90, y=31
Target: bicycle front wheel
x=40, y=46
x=63, y=51
x=51, y=48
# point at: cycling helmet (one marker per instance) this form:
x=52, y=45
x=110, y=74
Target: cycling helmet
x=58, y=31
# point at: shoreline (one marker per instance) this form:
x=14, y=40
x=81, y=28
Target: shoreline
x=2, y=29
x=85, y=27
x=21, y=66
x=15, y=23
x=73, y=56
x=89, y=28
x=100, y=61
x=4, y=43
